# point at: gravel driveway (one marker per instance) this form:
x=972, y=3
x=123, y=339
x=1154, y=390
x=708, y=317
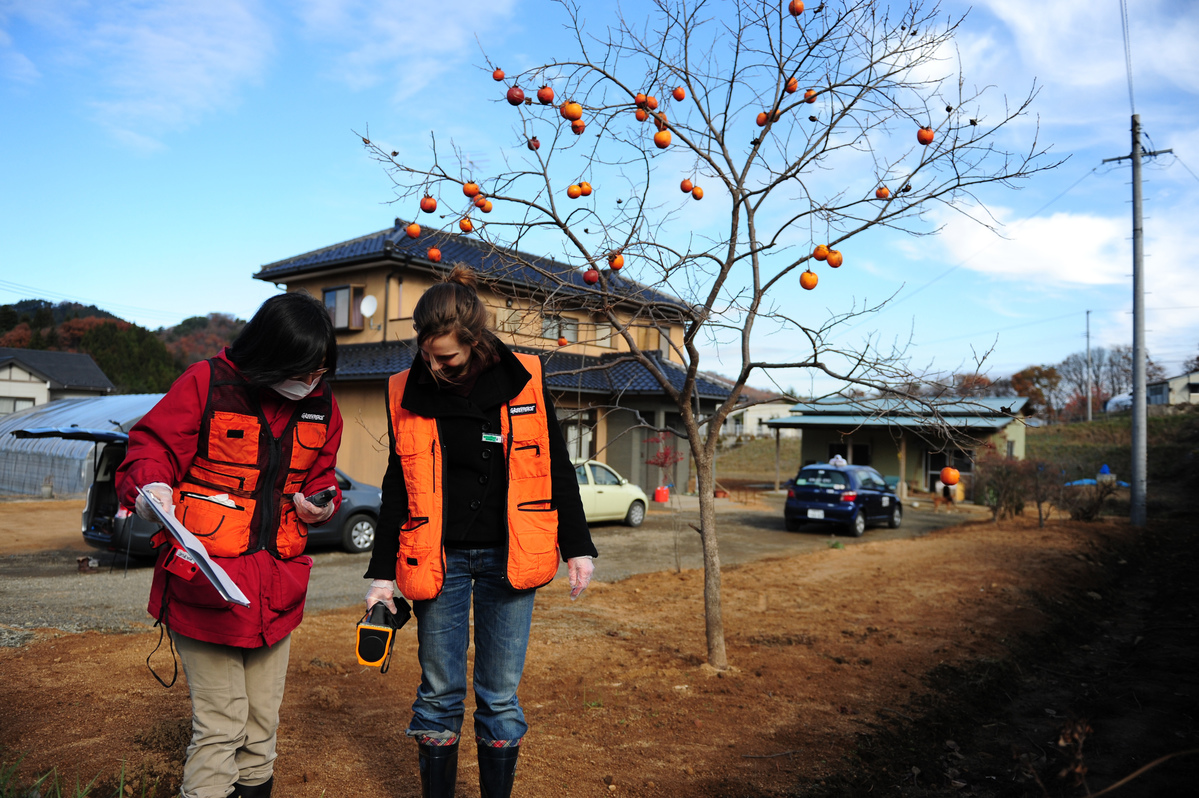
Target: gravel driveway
x=46, y=590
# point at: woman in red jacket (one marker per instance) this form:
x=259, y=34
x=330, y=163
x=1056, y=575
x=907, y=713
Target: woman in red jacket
x=235, y=447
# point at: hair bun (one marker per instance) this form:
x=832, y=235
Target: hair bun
x=463, y=275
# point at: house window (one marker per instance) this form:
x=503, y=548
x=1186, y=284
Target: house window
x=578, y=428
x=560, y=327
x=648, y=339
x=507, y=320
x=344, y=304
x=1011, y=448
x=861, y=454
x=11, y=404
x=603, y=334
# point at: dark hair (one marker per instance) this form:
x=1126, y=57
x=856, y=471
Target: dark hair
x=291, y=334
x=453, y=306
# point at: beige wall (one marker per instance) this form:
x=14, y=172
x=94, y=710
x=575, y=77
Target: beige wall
x=17, y=383
x=518, y=319
x=363, y=453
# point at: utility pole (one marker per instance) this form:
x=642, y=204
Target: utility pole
x=1140, y=457
x=1088, y=365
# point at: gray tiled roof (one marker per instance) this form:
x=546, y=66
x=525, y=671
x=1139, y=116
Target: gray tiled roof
x=62, y=369
x=615, y=373
x=505, y=265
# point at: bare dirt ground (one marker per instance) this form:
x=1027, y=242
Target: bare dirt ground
x=979, y=659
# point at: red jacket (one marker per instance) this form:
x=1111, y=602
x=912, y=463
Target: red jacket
x=161, y=449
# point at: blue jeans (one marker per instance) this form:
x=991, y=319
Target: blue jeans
x=502, y=620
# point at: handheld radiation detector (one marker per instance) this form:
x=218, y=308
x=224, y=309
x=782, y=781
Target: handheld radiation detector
x=376, y=633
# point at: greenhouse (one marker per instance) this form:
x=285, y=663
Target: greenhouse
x=57, y=466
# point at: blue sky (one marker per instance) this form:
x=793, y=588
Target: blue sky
x=156, y=154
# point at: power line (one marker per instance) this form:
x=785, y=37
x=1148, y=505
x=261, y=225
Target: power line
x=958, y=337
x=1184, y=166
x=1127, y=51
x=18, y=289
x=970, y=257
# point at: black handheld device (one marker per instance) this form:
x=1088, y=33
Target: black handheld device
x=323, y=498
x=376, y=633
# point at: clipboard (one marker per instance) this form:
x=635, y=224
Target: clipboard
x=191, y=544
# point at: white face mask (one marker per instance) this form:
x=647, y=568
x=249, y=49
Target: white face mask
x=294, y=389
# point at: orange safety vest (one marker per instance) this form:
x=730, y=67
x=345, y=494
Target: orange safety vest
x=532, y=517
x=238, y=455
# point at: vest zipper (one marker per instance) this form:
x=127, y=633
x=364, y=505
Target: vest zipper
x=266, y=522
x=433, y=447
x=507, y=408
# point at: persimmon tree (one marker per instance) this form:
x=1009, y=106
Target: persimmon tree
x=805, y=129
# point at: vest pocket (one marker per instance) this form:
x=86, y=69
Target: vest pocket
x=293, y=533
x=233, y=438
x=536, y=527
x=224, y=477
x=307, y=440
x=529, y=459
x=418, y=456
x=224, y=530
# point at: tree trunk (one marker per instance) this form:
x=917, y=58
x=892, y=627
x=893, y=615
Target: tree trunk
x=713, y=614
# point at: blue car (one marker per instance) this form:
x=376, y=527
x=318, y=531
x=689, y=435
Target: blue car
x=846, y=495
x=110, y=527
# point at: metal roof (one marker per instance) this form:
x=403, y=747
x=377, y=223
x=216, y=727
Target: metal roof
x=908, y=422
x=892, y=407
x=61, y=369
x=25, y=463
x=492, y=261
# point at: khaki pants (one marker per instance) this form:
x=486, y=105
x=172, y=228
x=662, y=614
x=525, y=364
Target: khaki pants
x=235, y=693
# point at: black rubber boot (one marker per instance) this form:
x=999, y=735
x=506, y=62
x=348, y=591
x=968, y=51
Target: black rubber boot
x=438, y=770
x=257, y=791
x=497, y=770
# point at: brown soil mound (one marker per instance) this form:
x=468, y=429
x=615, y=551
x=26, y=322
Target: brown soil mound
x=837, y=658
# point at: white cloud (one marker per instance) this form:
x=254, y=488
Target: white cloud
x=164, y=66
x=406, y=44
x=1061, y=249
x=16, y=66
x=148, y=68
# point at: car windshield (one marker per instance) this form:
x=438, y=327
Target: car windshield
x=822, y=478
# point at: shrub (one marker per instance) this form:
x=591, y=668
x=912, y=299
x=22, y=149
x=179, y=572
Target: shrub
x=1002, y=484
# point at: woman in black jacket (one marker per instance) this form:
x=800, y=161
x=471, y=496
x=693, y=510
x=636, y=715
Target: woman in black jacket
x=471, y=510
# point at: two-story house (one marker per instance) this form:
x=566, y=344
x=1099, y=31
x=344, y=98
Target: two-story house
x=609, y=404
x=31, y=377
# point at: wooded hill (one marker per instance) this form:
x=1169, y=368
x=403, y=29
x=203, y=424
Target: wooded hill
x=137, y=360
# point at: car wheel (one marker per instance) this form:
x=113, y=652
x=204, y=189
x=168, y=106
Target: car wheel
x=896, y=517
x=358, y=534
x=792, y=524
x=858, y=525
x=635, y=515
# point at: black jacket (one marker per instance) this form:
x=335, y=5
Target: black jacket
x=475, y=497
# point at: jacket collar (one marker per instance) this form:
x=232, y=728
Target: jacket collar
x=495, y=386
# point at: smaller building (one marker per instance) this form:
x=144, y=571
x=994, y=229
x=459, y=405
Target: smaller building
x=908, y=442
x=65, y=465
x=754, y=408
x=1180, y=390
x=31, y=377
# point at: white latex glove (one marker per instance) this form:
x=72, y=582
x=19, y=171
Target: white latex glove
x=160, y=491
x=381, y=590
x=579, y=570
x=309, y=513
